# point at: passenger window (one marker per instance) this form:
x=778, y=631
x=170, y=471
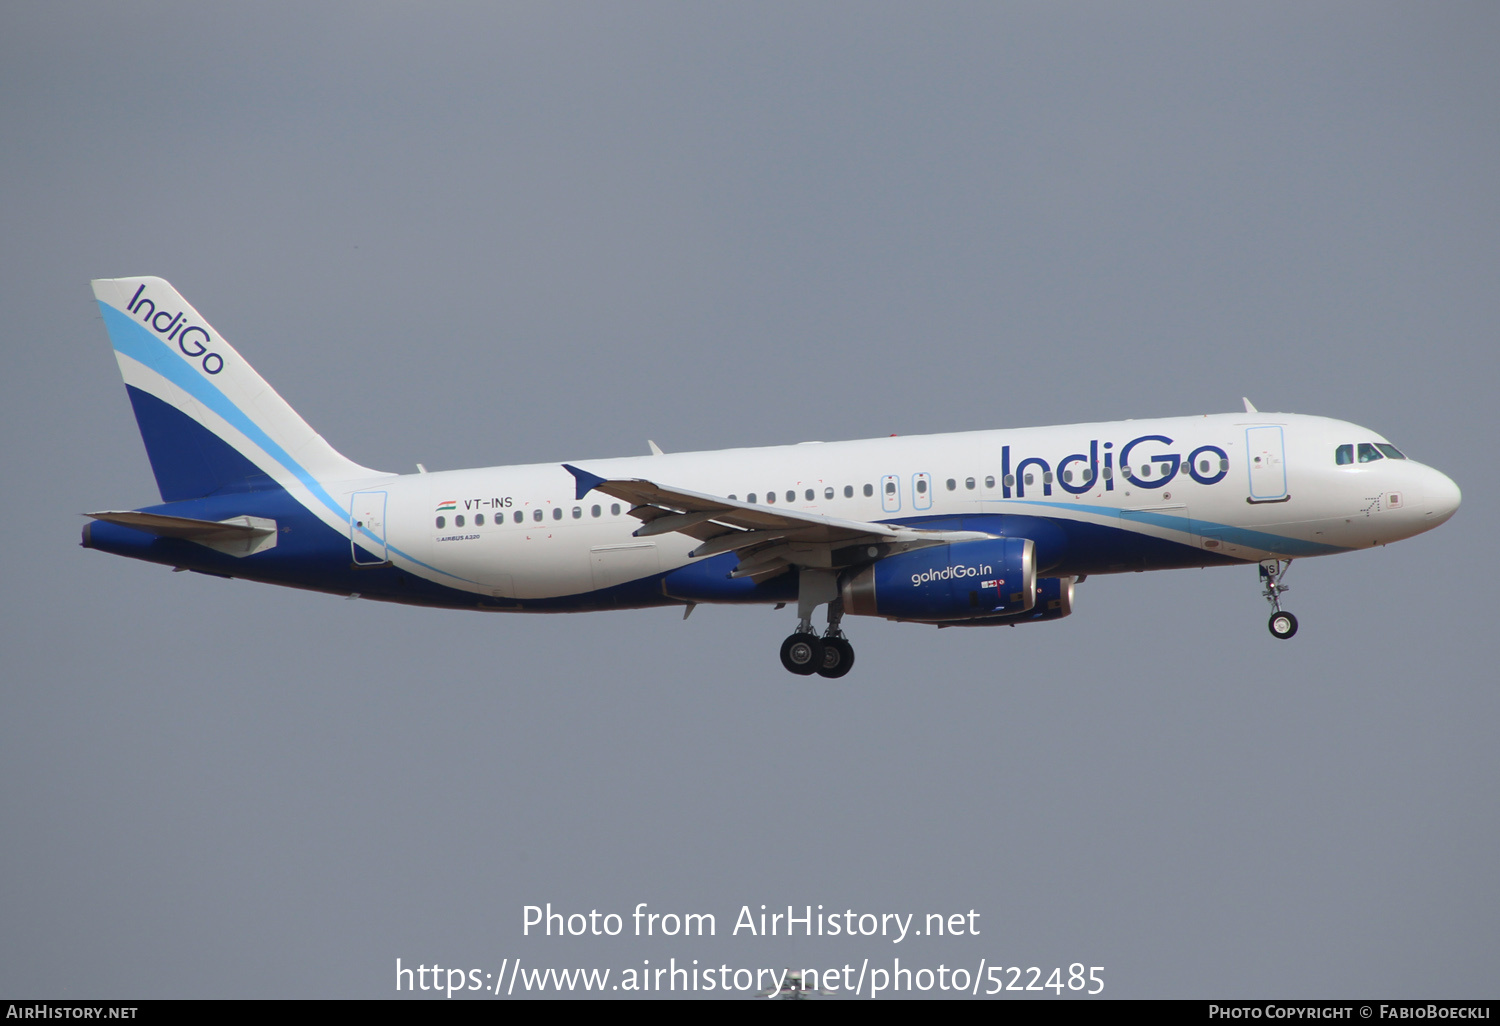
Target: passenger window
x=577, y=512
x=848, y=491
x=1030, y=478
x=750, y=498
x=791, y=496
x=478, y=519
x=1068, y=476
x=921, y=486
x=890, y=488
x=594, y=511
x=969, y=483
x=1088, y=474
x=458, y=521
x=536, y=514
x=827, y=493
x=1146, y=470
x=1368, y=453
x=519, y=516
x=1344, y=455
x=770, y=498
x=614, y=509
x=1390, y=450
x=869, y=490
x=556, y=512
x=989, y=482
x=810, y=495
x=1109, y=473
x=1010, y=480
x=1046, y=477
x=952, y=484
x=442, y=522
x=1224, y=465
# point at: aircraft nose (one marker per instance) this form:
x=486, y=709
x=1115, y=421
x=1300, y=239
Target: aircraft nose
x=1441, y=497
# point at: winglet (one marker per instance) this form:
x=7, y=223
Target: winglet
x=586, y=482
x=1249, y=406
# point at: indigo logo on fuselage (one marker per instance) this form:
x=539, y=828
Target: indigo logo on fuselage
x=191, y=339
x=1207, y=464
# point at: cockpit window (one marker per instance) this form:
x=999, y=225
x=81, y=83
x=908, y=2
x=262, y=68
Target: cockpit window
x=1368, y=453
x=1344, y=455
x=1390, y=450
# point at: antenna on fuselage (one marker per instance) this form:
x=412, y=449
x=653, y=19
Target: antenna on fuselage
x=1249, y=406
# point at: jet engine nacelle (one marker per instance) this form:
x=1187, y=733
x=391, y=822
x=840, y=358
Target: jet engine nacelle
x=942, y=583
x=1054, y=600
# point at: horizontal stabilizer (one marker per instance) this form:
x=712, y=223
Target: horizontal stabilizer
x=237, y=536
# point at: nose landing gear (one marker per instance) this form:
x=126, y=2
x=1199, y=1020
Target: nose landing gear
x=1282, y=624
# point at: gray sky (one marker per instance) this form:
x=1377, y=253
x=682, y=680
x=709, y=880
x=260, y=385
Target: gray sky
x=474, y=235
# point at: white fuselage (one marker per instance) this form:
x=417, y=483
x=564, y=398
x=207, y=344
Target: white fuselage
x=1275, y=492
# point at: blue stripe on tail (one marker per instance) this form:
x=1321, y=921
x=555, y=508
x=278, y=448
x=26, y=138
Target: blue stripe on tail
x=189, y=460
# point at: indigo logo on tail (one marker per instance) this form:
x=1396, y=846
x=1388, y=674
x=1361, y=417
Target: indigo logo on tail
x=191, y=339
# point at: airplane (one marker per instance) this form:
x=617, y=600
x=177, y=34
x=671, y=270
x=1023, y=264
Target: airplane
x=978, y=528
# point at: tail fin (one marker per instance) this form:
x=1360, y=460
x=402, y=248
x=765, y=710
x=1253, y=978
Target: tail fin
x=210, y=423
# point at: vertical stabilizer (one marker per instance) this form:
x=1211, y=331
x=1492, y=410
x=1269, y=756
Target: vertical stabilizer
x=211, y=424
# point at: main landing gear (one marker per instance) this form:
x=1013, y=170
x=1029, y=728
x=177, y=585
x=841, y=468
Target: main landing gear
x=806, y=653
x=1283, y=624
x=803, y=652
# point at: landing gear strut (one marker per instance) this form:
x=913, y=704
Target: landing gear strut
x=803, y=652
x=1283, y=624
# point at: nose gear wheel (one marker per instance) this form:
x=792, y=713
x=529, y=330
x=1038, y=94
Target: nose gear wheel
x=1282, y=624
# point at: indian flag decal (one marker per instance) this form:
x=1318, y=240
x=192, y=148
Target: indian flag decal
x=449, y=504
